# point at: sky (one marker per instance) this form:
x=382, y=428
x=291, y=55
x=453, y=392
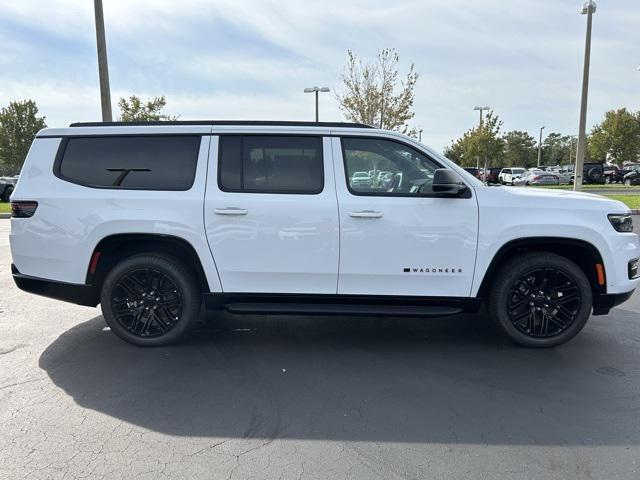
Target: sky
x=251, y=59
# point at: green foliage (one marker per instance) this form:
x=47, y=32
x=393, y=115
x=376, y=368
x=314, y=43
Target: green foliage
x=482, y=144
x=617, y=137
x=558, y=149
x=520, y=149
x=19, y=123
x=374, y=94
x=135, y=110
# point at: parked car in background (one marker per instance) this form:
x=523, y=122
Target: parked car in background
x=564, y=177
x=632, y=177
x=592, y=173
x=508, y=175
x=535, y=176
x=361, y=178
x=474, y=171
x=7, y=184
x=490, y=176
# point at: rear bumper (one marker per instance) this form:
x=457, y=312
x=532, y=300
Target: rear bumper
x=605, y=302
x=68, y=292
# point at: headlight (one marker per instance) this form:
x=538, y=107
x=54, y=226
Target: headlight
x=622, y=223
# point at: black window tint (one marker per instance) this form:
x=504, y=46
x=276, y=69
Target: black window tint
x=271, y=164
x=130, y=162
x=230, y=165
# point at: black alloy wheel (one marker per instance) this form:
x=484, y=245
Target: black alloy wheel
x=540, y=299
x=150, y=299
x=544, y=302
x=146, y=302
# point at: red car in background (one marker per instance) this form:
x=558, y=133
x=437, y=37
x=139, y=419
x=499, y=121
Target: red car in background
x=491, y=175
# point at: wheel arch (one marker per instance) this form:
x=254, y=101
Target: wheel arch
x=581, y=252
x=114, y=248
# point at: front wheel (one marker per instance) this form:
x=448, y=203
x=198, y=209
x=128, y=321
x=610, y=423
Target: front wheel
x=150, y=300
x=541, y=299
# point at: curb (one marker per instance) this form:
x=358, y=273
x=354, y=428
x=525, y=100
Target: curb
x=5, y=215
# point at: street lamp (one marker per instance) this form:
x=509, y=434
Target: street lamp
x=540, y=147
x=481, y=109
x=316, y=90
x=420, y=135
x=588, y=9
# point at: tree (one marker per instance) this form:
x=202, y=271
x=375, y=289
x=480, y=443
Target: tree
x=617, y=137
x=481, y=145
x=19, y=123
x=135, y=110
x=374, y=94
x=520, y=149
x=558, y=149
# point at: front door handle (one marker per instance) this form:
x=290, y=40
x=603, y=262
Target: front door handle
x=230, y=211
x=366, y=214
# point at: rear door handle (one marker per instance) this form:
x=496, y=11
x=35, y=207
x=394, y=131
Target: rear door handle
x=366, y=214
x=230, y=211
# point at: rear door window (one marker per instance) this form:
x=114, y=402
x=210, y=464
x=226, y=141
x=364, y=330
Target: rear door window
x=130, y=162
x=271, y=164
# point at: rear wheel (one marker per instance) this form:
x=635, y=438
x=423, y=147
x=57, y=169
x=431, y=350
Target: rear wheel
x=150, y=300
x=541, y=299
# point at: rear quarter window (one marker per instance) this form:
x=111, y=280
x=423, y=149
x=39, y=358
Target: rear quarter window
x=130, y=162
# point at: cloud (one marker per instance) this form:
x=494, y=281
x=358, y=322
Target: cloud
x=252, y=58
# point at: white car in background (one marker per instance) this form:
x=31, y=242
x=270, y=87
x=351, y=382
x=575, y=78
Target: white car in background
x=535, y=176
x=508, y=175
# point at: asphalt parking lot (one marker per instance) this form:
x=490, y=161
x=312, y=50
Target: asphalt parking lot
x=292, y=397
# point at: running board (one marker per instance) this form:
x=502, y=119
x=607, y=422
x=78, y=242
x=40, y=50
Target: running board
x=338, y=309
x=296, y=304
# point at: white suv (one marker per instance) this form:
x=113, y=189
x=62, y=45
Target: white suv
x=507, y=176
x=149, y=220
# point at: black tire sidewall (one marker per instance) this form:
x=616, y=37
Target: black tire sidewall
x=179, y=274
x=514, y=270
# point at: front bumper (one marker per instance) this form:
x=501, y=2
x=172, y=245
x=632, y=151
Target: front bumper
x=68, y=292
x=605, y=302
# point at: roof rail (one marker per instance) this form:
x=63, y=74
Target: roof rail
x=260, y=123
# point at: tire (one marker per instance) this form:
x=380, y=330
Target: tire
x=6, y=195
x=595, y=175
x=544, y=320
x=150, y=300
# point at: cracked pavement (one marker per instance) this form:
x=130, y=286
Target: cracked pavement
x=271, y=397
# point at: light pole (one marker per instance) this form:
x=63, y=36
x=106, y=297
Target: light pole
x=588, y=9
x=103, y=66
x=540, y=147
x=481, y=109
x=420, y=135
x=316, y=90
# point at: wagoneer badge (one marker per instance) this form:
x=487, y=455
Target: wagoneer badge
x=431, y=270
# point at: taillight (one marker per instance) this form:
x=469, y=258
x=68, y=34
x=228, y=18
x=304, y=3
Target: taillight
x=23, y=209
x=537, y=177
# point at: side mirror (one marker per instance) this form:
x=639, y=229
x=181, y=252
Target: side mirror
x=446, y=183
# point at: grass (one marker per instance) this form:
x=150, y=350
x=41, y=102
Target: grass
x=5, y=207
x=632, y=201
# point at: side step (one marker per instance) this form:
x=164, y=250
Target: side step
x=340, y=309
